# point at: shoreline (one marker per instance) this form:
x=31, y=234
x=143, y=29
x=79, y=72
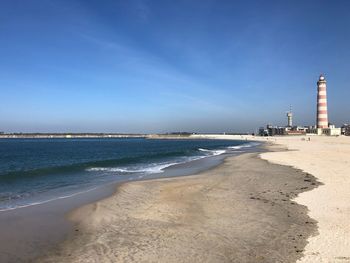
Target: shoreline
x=124, y=217
x=69, y=136
x=28, y=231
x=328, y=204
x=326, y=158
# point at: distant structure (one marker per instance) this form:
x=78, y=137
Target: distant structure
x=323, y=127
x=322, y=111
x=345, y=129
x=290, y=117
x=271, y=130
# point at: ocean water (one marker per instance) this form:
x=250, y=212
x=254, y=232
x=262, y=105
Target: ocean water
x=34, y=171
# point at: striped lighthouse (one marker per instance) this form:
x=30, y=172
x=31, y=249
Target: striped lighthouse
x=322, y=113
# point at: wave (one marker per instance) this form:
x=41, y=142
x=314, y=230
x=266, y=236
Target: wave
x=159, y=167
x=150, y=169
x=129, y=166
x=246, y=145
x=109, y=163
x=212, y=152
x=204, y=150
x=76, y=167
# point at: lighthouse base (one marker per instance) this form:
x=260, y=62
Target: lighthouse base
x=331, y=131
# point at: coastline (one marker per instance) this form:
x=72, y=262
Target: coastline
x=238, y=211
x=28, y=231
x=326, y=158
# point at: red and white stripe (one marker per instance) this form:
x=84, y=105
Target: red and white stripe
x=322, y=113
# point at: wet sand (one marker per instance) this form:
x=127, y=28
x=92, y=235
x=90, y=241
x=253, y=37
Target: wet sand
x=27, y=232
x=240, y=211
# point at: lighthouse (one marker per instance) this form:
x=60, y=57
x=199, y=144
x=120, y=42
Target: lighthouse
x=322, y=112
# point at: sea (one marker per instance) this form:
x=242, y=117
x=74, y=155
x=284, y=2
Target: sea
x=37, y=171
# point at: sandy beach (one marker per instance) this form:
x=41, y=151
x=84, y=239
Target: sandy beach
x=240, y=211
x=174, y=131
x=328, y=159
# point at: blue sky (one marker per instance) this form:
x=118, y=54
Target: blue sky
x=158, y=66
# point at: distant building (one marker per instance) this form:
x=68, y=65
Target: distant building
x=263, y=132
x=297, y=130
x=322, y=127
x=271, y=130
x=345, y=129
x=330, y=131
x=275, y=130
